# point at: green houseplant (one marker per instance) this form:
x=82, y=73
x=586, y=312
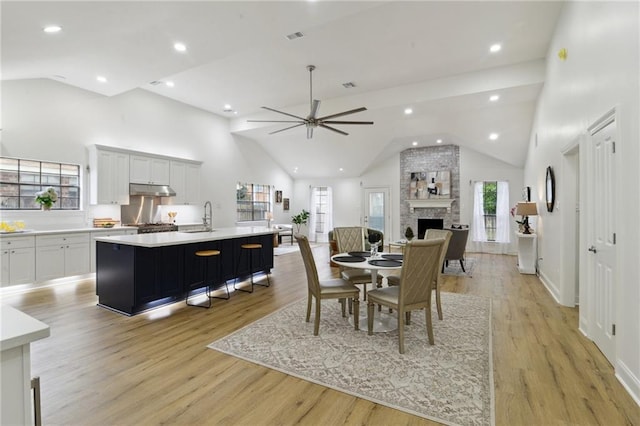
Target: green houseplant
x=300, y=219
x=408, y=233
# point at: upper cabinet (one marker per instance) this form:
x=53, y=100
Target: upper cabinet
x=185, y=180
x=109, y=180
x=149, y=170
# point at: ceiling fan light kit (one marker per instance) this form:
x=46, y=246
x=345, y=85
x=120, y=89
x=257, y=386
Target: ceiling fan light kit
x=312, y=120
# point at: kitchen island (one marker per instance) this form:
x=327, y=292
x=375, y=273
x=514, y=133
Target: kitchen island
x=135, y=273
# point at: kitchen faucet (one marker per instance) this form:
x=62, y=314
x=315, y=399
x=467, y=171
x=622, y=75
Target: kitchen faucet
x=207, y=219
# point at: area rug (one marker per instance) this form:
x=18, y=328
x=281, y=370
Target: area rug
x=450, y=382
x=455, y=269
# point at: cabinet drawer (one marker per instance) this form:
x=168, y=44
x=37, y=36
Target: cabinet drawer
x=62, y=239
x=17, y=242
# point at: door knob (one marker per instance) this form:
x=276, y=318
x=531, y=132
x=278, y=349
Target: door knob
x=593, y=249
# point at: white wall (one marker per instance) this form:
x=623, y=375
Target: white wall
x=601, y=72
x=475, y=166
x=47, y=120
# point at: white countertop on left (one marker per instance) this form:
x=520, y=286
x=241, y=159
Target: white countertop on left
x=161, y=239
x=18, y=328
x=27, y=232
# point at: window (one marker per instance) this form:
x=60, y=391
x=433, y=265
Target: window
x=253, y=201
x=491, y=212
x=320, y=222
x=20, y=180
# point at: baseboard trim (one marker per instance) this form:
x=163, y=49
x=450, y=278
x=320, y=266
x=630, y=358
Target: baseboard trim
x=551, y=288
x=630, y=382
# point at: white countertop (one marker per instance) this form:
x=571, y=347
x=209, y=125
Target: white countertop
x=161, y=239
x=18, y=328
x=28, y=232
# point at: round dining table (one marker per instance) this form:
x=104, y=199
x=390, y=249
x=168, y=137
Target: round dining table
x=378, y=262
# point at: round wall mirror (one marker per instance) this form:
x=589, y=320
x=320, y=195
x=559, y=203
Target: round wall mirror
x=551, y=189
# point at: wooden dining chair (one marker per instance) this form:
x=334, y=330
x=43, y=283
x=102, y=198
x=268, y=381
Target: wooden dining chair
x=437, y=283
x=338, y=288
x=349, y=239
x=421, y=264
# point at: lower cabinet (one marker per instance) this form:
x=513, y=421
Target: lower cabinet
x=62, y=255
x=110, y=233
x=18, y=260
x=131, y=279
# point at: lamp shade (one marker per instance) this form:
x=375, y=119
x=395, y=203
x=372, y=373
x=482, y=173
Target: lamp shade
x=527, y=209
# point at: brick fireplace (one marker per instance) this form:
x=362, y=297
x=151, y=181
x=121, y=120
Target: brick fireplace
x=429, y=159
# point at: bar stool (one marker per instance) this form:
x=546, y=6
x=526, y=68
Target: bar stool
x=250, y=248
x=207, y=254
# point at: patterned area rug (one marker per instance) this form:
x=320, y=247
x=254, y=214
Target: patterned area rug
x=450, y=382
x=455, y=269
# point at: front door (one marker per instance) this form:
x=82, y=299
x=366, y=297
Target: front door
x=376, y=210
x=602, y=238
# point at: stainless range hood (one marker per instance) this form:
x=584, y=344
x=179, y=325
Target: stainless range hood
x=151, y=190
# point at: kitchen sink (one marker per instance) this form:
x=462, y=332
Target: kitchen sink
x=194, y=231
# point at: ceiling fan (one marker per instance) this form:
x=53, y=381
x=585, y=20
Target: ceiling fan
x=312, y=121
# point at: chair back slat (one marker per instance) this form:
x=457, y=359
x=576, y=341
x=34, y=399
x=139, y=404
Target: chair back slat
x=420, y=268
x=440, y=233
x=349, y=238
x=313, y=282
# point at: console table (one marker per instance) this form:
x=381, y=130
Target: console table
x=527, y=252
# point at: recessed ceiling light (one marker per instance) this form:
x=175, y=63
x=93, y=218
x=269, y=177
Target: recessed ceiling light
x=295, y=35
x=494, y=98
x=101, y=79
x=227, y=106
x=180, y=47
x=169, y=83
x=495, y=48
x=408, y=111
x=414, y=143
x=341, y=169
x=52, y=29
x=439, y=141
x=493, y=136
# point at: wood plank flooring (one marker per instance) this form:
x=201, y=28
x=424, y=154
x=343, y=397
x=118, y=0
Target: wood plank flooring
x=102, y=368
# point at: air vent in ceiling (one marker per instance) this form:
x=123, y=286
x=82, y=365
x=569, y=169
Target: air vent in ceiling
x=295, y=35
x=156, y=83
x=349, y=85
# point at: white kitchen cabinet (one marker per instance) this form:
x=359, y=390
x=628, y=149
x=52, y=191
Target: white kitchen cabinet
x=109, y=176
x=185, y=180
x=17, y=331
x=109, y=233
x=62, y=255
x=149, y=170
x=18, y=260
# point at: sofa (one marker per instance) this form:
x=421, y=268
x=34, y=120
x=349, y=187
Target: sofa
x=284, y=230
x=333, y=246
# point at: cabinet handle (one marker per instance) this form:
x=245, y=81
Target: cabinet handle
x=37, y=411
x=13, y=251
x=593, y=249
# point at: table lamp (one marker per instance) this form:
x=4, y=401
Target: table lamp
x=525, y=210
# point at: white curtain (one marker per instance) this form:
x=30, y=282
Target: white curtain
x=329, y=216
x=312, y=217
x=502, y=214
x=479, y=233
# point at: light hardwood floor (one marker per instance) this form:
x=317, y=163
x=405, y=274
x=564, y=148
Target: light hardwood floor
x=102, y=368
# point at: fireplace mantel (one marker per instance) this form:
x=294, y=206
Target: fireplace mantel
x=431, y=203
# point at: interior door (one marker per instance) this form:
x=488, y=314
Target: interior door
x=602, y=248
x=376, y=210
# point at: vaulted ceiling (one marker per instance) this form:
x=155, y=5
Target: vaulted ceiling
x=430, y=56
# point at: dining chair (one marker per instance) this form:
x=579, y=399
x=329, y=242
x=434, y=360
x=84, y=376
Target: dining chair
x=421, y=263
x=349, y=239
x=457, y=246
x=437, y=283
x=336, y=288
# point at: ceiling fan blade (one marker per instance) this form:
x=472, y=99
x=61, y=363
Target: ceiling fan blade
x=315, y=106
x=333, y=129
x=346, y=122
x=340, y=114
x=287, y=128
x=309, y=132
x=281, y=112
x=275, y=121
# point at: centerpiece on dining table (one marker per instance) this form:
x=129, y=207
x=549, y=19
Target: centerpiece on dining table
x=374, y=241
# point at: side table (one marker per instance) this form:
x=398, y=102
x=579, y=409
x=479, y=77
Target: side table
x=527, y=252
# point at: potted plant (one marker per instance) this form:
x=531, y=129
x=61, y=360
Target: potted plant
x=46, y=198
x=300, y=219
x=408, y=233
